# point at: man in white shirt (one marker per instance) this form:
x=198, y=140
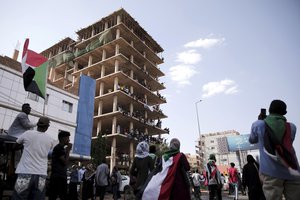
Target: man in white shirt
x=32, y=168
x=196, y=183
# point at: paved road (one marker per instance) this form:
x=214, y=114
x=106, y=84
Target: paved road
x=225, y=196
x=204, y=196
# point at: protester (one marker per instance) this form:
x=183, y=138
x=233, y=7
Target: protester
x=251, y=179
x=88, y=183
x=279, y=166
x=102, y=174
x=141, y=166
x=214, y=179
x=73, y=194
x=152, y=154
x=60, y=158
x=80, y=173
x=196, y=178
x=21, y=123
x=32, y=168
x=170, y=181
x=116, y=181
x=233, y=179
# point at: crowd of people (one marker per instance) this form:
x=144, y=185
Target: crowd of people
x=152, y=177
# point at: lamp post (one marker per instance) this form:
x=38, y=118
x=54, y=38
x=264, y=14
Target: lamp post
x=199, y=131
x=198, y=117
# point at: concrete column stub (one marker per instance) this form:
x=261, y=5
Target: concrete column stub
x=113, y=153
x=116, y=65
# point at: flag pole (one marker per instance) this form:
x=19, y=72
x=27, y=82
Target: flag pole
x=46, y=83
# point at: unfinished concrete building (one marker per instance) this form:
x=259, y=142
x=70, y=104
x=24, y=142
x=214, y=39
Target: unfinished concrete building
x=124, y=60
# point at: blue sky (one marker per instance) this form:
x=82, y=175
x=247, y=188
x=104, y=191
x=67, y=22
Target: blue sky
x=235, y=55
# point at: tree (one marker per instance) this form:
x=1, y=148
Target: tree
x=98, y=150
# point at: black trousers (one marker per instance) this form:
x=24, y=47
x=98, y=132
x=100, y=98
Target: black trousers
x=214, y=190
x=58, y=188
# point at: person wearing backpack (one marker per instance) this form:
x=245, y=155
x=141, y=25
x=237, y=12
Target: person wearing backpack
x=279, y=167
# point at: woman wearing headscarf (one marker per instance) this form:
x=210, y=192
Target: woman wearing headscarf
x=142, y=165
x=251, y=179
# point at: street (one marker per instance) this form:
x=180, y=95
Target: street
x=204, y=196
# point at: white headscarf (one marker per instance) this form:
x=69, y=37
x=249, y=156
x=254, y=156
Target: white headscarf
x=142, y=150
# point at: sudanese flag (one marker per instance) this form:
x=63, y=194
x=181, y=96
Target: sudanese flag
x=34, y=68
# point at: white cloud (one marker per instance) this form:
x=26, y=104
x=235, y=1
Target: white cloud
x=182, y=73
x=205, y=43
x=189, y=57
x=225, y=86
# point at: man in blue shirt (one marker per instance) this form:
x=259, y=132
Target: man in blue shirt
x=279, y=167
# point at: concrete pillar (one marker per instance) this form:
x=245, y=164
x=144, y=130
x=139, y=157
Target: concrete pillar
x=114, y=125
x=116, y=65
x=105, y=26
x=131, y=74
x=99, y=124
x=131, y=58
x=119, y=19
x=131, y=89
x=115, y=104
x=50, y=76
x=100, y=108
x=118, y=33
x=131, y=109
x=75, y=66
x=113, y=153
x=116, y=83
x=131, y=152
x=117, y=49
x=103, y=54
x=90, y=60
x=131, y=43
x=102, y=71
x=101, y=92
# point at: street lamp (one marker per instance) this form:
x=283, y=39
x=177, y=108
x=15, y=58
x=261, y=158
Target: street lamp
x=198, y=117
x=199, y=144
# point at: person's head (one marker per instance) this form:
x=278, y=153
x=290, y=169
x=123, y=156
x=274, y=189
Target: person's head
x=277, y=107
x=250, y=159
x=103, y=160
x=26, y=108
x=232, y=164
x=115, y=169
x=212, y=157
x=152, y=149
x=43, y=124
x=142, y=149
x=175, y=144
x=64, y=137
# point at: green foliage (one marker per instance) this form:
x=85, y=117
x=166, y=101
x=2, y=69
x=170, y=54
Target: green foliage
x=98, y=150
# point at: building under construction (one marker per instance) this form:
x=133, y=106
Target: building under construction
x=124, y=60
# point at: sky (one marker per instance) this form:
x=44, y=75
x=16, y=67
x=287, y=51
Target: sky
x=235, y=55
